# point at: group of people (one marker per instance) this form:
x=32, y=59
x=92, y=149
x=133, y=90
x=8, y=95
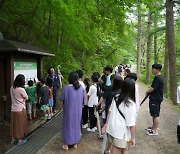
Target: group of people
x=114, y=96
x=31, y=97
x=119, y=69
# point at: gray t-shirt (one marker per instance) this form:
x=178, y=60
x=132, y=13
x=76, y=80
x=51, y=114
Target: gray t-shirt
x=44, y=94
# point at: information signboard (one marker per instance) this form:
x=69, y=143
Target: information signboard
x=28, y=69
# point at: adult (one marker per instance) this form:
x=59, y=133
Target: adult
x=108, y=71
x=19, y=125
x=155, y=99
x=72, y=97
x=126, y=71
x=55, y=79
x=116, y=69
x=120, y=124
x=120, y=68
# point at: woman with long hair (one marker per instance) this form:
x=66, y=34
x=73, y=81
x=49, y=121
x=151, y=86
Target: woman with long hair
x=19, y=126
x=85, y=107
x=120, y=124
x=72, y=97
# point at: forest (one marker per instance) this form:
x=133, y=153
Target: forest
x=89, y=34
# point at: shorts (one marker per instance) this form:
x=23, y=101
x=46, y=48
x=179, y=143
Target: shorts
x=154, y=108
x=50, y=102
x=31, y=106
x=44, y=107
x=120, y=143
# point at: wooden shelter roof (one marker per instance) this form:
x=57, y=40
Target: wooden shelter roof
x=14, y=46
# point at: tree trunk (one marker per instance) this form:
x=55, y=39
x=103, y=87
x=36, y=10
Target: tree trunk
x=155, y=39
x=139, y=43
x=49, y=23
x=171, y=49
x=1, y=3
x=166, y=67
x=148, y=61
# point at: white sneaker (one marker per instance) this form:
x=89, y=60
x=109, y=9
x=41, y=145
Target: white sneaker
x=52, y=114
x=49, y=117
x=44, y=117
x=90, y=130
x=85, y=126
x=95, y=128
x=152, y=133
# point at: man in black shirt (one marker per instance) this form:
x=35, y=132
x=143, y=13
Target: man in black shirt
x=155, y=98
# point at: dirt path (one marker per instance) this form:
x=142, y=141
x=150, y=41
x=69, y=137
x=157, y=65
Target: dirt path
x=164, y=143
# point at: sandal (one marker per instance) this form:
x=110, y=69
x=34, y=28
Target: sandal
x=65, y=147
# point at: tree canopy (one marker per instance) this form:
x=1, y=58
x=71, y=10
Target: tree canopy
x=91, y=34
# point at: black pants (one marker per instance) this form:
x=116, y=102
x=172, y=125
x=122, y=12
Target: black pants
x=85, y=115
x=54, y=99
x=178, y=134
x=92, y=118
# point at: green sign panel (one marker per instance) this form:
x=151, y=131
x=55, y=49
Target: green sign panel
x=28, y=69
x=25, y=65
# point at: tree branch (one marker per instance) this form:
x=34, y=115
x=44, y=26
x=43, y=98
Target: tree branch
x=158, y=29
x=111, y=53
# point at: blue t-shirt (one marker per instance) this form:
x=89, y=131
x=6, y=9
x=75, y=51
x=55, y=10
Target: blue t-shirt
x=108, y=80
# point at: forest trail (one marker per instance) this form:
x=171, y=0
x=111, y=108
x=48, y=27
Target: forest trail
x=164, y=143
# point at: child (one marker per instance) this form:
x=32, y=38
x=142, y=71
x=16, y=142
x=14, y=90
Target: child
x=31, y=102
x=102, y=110
x=49, y=83
x=44, y=99
x=92, y=101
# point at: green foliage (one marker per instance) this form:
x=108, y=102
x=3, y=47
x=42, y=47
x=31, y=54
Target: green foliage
x=82, y=34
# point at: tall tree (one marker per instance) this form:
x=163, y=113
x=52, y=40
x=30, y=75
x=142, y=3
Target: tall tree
x=149, y=38
x=166, y=66
x=139, y=42
x=155, y=38
x=171, y=48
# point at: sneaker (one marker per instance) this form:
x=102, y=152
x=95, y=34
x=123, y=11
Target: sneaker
x=95, y=128
x=14, y=142
x=85, y=126
x=49, y=117
x=90, y=130
x=44, y=118
x=22, y=142
x=152, y=133
x=100, y=137
x=148, y=128
x=52, y=114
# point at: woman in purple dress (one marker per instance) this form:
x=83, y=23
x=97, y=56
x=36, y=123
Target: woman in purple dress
x=72, y=97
